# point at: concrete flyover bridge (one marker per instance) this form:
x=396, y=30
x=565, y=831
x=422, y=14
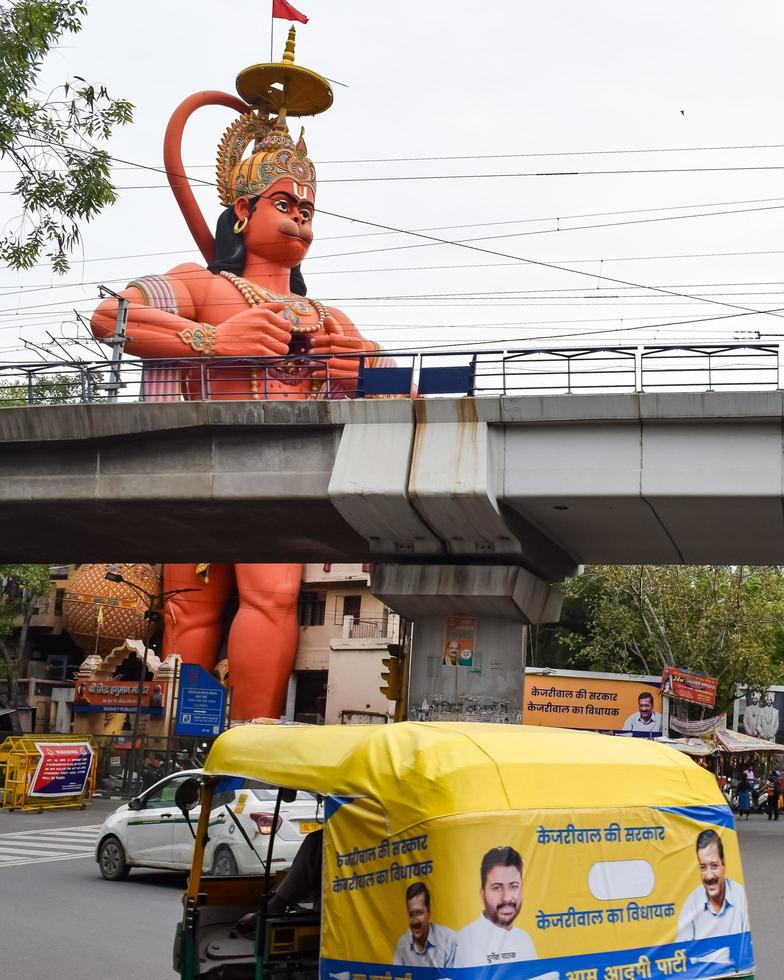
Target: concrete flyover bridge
x=545, y=483
x=470, y=507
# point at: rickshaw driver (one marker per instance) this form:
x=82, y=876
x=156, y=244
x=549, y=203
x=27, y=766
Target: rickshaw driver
x=301, y=884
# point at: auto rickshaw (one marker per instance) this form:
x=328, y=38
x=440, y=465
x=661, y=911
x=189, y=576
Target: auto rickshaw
x=478, y=852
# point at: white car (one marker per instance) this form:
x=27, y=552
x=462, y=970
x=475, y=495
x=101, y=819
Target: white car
x=151, y=832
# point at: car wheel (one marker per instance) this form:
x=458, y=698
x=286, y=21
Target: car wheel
x=224, y=863
x=111, y=860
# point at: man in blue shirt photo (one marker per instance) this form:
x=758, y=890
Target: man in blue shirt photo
x=425, y=943
x=718, y=906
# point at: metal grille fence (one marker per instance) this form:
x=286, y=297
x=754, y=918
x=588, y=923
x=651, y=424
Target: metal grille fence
x=525, y=371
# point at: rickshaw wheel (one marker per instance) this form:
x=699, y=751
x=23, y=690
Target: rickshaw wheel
x=224, y=862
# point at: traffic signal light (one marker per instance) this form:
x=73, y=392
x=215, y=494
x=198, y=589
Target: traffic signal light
x=392, y=678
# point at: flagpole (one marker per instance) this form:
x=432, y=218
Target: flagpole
x=272, y=25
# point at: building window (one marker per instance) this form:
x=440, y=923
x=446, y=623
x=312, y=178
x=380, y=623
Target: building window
x=352, y=605
x=311, y=608
x=58, y=602
x=310, y=702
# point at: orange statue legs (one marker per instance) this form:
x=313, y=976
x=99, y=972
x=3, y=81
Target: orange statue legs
x=262, y=638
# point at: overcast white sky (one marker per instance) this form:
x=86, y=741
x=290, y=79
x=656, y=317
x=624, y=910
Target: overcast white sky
x=522, y=88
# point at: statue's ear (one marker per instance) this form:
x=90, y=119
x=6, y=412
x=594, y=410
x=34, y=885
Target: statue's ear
x=301, y=148
x=242, y=207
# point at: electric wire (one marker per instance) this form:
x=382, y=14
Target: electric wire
x=462, y=244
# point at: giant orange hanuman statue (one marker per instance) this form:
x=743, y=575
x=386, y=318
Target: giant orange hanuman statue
x=248, y=302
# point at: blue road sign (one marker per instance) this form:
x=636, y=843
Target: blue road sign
x=201, y=709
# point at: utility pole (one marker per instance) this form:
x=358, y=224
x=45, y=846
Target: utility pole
x=117, y=342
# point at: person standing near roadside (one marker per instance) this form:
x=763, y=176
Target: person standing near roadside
x=773, y=788
x=744, y=798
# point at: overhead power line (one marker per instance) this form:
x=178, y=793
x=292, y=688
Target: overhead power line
x=394, y=178
x=546, y=231
x=537, y=263
x=496, y=156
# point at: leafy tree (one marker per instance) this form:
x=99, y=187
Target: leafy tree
x=49, y=389
x=20, y=588
x=63, y=177
x=723, y=621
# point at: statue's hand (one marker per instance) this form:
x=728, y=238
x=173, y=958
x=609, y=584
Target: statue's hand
x=255, y=332
x=339, y=347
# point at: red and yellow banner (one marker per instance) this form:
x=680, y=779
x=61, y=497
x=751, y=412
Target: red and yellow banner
x=687, y=686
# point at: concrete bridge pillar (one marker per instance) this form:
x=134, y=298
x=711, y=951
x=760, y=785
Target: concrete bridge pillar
x=468, y=649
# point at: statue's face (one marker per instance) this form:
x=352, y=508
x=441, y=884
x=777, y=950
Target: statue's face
x=755, y=698
x=769, y=700
x=281, y=226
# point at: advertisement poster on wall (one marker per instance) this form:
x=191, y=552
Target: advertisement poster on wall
x=460, y=641
x=62, y=769
x=609, y=703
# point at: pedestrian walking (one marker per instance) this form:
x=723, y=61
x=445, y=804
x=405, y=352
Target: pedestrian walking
x=744, y=798
x=774, y=792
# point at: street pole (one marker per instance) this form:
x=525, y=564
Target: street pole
x=117, y=342
x=149, y=616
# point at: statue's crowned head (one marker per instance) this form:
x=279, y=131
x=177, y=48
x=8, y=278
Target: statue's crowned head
x=275, y=160
x=273, y=92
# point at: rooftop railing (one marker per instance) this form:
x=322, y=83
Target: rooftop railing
x=522, y=371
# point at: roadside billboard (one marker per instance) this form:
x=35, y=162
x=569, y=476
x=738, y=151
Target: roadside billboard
x=107, y=694
x=609, y=703
x=688, y=686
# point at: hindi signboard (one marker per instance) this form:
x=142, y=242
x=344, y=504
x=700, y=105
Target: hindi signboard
x=688, y=686
x=600, y=703
x=201, y=708
x=62, y=770
x=109, y=694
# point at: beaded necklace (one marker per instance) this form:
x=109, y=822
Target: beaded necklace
x=294, y=306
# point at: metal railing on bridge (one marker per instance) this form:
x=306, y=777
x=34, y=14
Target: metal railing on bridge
x=519, y=371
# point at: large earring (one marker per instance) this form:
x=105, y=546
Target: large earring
x=239, y=225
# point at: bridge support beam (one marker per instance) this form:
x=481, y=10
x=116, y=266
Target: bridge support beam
x=476, y=616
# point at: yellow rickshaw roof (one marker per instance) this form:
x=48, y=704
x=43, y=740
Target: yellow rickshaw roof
x=421, y=770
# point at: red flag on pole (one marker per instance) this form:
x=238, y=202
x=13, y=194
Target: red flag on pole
x=284, y=11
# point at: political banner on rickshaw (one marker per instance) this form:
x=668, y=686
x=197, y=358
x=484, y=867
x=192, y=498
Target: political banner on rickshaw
x=604, y=894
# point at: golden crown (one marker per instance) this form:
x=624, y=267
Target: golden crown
x=286, y=89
